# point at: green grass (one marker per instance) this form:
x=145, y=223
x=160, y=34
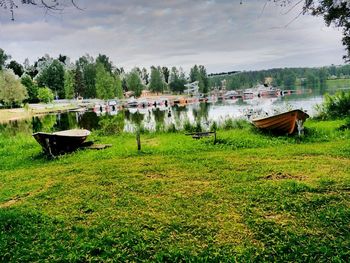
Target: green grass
x=250, y=197
x=338, y=83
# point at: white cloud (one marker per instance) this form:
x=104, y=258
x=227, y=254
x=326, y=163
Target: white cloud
x=221, y=34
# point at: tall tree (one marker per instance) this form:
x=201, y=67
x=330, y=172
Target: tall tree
x=177, y=80
x=79, y=84
x=194, y=73
x=3, y=58
x=204, y=79
x=87, y=66
x=134, y=83
x=145, y=76
x=156, y=83
x=104, y=60
x=53, y=78
x=16, y=67
x=118, y=87
x=11, y=89
x=32, y=88
x=166, y=74
x=105, y=83
x=199, y=73
x=69, y=84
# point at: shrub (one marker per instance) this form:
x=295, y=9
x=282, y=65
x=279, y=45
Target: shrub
x=45, y=95
x=112, y=125
x=336, y=106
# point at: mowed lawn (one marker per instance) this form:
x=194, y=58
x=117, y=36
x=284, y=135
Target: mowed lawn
x=250, y=197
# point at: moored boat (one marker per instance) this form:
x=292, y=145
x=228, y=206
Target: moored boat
x=61, y=142
x=286, y=122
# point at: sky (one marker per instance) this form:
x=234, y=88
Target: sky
x=222, y=35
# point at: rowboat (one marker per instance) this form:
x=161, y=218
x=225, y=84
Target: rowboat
x=61, y=142
x=287, y=122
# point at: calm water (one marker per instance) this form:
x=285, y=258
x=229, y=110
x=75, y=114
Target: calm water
x=155, y=118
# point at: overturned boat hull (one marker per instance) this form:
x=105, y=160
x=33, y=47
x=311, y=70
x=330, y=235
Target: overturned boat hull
x=286, y=122
x=61, y=142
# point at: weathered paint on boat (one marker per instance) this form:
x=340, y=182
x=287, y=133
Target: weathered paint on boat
x=284, y=123
x=61, y=142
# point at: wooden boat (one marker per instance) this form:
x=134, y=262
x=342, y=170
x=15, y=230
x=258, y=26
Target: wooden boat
x=61, y=142
x=286, y=122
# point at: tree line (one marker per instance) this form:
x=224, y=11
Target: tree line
x=87, y=77
x=281, y=77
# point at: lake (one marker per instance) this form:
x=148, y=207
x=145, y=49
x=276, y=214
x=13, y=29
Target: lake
x=158, y=118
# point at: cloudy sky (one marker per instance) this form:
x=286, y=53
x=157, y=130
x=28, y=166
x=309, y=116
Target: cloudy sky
x=223, y=35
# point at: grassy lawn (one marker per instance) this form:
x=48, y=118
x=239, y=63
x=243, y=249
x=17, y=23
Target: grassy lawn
x=338, y=83
x=250, y=197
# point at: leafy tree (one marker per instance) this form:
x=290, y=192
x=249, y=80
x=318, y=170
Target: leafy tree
x=204, y=79
x=145, y=76
x=62, y=59
x=199, y=73
x=32, y=88
x=194, y=73
x=45, y=95
x=289, y=79
x=3, y=58
x=79, y=85
x=134, y=83
x=177, y=80
x=69, y=84
x=16, y=67
x=104, y=60
x=166, y=74
x=156, y=83
x=53, y=78
x=89, y=76
x=118, y=86
x=105, y=83
x=11, y=89
x=88, y=69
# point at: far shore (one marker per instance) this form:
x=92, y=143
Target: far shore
x=32, y=110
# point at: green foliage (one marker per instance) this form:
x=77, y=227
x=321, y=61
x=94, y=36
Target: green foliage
x=287, y=77
x=53, y=78
x=336, y=106
x=111, y=125
x=157, y=80
x=118, y=87
x=3, y=58
x=104, y=60
x=69, y=84
x=199, y=73
x=12, y=91
x=16, y=67
x=45, y=95
x=177, y=80
x=134, y=83
x=105, y=83
x=248, y=198
x=79, y=84
x=32, y=88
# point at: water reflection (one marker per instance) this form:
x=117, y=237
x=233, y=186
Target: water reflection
x=163, y=117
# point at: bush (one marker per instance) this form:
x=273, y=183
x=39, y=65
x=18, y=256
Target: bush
x=45, y=95
x=337, y=106
x=112, y=125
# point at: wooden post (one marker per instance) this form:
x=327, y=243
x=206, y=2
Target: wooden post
x=138, y=140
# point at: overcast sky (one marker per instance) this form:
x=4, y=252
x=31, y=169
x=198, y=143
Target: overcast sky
x=223, y=35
